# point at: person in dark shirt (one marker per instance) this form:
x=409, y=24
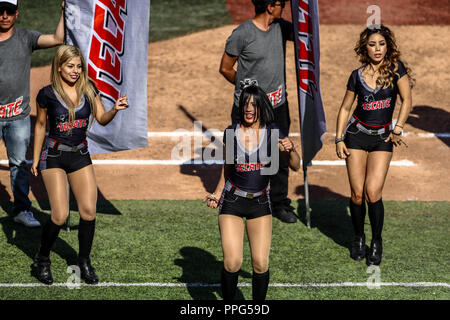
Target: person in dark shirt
x=68, y=103
x=251, y=153
x=366, y=142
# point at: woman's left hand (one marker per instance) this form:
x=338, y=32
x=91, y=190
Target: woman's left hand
x=121, y=103
x=211, y=201
x=285, y=145
x=396, y=139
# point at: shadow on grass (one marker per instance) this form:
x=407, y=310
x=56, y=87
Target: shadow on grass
x=28, y=239
x=200, y=266
x=329, y=216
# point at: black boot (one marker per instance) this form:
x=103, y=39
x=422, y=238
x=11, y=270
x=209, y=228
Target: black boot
x=41, y=269
x=87, y=271
x=358, y=250
x=375, y=252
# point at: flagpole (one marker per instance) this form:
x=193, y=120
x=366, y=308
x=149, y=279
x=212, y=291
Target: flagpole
x=305, y=19
x=308, y=209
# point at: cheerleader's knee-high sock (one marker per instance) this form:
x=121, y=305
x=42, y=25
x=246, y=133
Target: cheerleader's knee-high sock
x=85, y=238
x=229, y=281
x=376, y=217
x=260, y=283
x=358, y=214
x=49, y=235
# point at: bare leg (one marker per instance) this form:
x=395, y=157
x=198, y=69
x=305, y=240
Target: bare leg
x=356, y=169
x=232, y=236
x=55, y=181
x=84, y=187
x=377, y=169
x=259, y=231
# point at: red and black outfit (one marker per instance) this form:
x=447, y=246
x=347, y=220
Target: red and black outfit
x=246, y=193
x=371, y=122
x=62, y=149
x=369, y=126
x=66, y=150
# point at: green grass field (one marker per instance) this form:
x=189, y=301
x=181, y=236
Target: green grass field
x=177, y=242
x=168, y=19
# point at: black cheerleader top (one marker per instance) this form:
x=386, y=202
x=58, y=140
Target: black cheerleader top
x=58, y=116
x=252, y=168
x=375, y=106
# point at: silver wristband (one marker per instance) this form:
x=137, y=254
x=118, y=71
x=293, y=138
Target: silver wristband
x=337, y=140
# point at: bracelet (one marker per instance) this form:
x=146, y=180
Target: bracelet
x=337, y=140
x=397, y=125
x=396, y=134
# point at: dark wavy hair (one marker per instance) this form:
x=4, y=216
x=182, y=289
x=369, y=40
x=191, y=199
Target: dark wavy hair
x=264, y=109
x=389, y=65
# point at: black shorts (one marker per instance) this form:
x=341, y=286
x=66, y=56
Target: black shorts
x=244, y=207
x=356, y=139
x=67, y=160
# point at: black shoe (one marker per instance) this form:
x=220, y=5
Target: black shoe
x=41, y=269
x=358, y=250
x=285, y=215
x=87, y=271
x=375, y=253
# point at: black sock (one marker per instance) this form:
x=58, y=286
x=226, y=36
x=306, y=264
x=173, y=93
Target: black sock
x=229, y=283
x=49, y=234
x=376, y=217
x=358, y=214
x=260, y=283
x=85, y=237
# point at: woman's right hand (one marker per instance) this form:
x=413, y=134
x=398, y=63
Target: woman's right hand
x=341, y=150
x=211, y=201
x=34, y=169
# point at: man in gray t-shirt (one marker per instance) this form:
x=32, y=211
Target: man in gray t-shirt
x=16, y=47
x=258, y=47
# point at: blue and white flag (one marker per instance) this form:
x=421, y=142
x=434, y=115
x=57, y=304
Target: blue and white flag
x=113, y=36
x=305, y=19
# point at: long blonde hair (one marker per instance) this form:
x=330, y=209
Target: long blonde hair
x=392, y=57
x=83, y=85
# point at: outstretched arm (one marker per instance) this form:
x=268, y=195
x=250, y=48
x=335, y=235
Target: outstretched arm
x=52, y=40
x=104, y=117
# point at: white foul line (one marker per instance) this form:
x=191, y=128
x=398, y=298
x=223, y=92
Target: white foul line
x=209, y=134
x=159, y=284
x=128, y=162
x=399, y=163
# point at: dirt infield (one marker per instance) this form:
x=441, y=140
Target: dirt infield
x=184, y=85
x=398, y=12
